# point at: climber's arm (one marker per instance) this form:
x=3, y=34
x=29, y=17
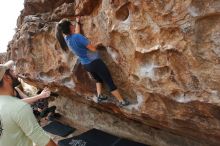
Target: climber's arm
x=91, y=47
x=77, y=29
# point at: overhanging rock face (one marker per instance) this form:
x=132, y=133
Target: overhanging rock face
x=164, y=57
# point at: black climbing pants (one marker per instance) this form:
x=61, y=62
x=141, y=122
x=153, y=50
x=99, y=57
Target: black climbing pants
x=100, y=73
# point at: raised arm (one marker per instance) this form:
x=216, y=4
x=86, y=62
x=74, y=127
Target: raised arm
x=22, y=95
x=77, y=29
x=83, y=40
x=30, y=100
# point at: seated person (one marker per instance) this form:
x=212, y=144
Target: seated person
x=42, y=109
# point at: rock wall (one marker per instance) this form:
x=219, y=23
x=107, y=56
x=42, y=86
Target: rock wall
x=164, y=56
x=3, y=57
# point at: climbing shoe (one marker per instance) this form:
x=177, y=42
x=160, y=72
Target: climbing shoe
x=125, y=102
x=101, y=97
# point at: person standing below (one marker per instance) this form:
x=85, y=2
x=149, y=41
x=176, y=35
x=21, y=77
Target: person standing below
x=18, y=126
x=88, y=56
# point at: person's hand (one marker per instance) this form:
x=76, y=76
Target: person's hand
x=78, y=19
x=18, y=89
x=45, y=93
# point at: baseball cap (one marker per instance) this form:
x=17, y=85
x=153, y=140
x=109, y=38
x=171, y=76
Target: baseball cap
x=3, y=67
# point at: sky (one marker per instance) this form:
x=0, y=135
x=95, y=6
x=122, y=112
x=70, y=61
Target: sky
x=9, y=12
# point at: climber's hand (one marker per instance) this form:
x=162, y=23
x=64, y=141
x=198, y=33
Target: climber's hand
x=78, y=19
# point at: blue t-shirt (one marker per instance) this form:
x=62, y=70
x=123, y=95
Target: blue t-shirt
x=77, y=43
